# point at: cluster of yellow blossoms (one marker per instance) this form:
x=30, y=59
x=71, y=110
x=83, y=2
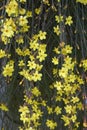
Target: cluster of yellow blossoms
x=37, y=54
x=8, y=69
x=60, y=19
x=67, y=84
x=16, y=23
x=30, y=113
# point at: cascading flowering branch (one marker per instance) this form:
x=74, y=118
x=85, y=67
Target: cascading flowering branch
x=59, y=100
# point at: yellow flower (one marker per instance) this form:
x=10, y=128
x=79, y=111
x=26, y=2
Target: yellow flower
x=3, y=107
x=75, y=99
x=63, y=72
x=55, y=71
x=2, y=53
x=32, y=57
x=66, y=101
x=10, y=22
x=35, y=105
x=51, y=124
x=58, y=19
x=43, y=103
x=29, y=14
x=36, y=92
x=55, y=61
x=8, y=31
x=36, y=76
x=66, y=120
x=42, y=47
x=34, y=45
x=67, y=88
x=22, y=11
x=26, y=74
x=68, y=109
x=23, y=109
x=35, y=117
x=60, y=92
x=58, y=85
x=82, y=1
x=57, y=110
x=19, y=52
x=84, y=64
x=8, y=70
x=31, y=65
x=56, y=50
x=58, y=98
x=35, y=37
x=20, y=40
x=12, y=8
x=69, y=20
x=67, y=50
x=41, y=56
x=80, y=80
x=37, y=10
x=26, y=52
x=57, y=30
x=24, y=112
x=67, y=60
x=42, y=35
x=69, y=65
x=50, y=110
x=24, y=28
x=28, y=100
x=4, y=39
x=77, y=124
x=38, y=67
x=72, y=78
x=73, y=118
x=21, y=63
x=23, y=20
x=79, y=106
